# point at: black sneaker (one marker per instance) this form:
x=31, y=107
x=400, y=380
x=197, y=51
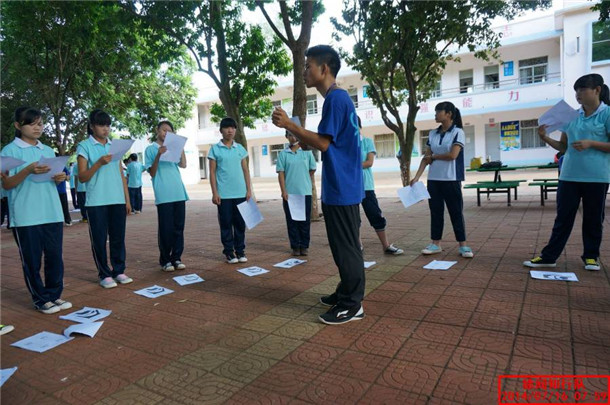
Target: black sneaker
x=338, y=315
x=231, y=258
x=329, y=300
x=538, y=262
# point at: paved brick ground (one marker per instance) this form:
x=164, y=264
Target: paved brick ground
x=429, y=337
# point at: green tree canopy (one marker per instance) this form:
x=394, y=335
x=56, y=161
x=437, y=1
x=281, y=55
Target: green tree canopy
x=68, y=58
x=236, y=55
x=402, y=47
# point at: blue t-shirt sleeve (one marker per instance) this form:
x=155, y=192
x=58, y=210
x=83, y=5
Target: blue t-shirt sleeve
x=370, y=146
x=279, y=164
x=607, y=124
x=149, y=157
x=459, y=138
x=242, y=151
x=312, y=161
x=82, y=151
x=212, y=154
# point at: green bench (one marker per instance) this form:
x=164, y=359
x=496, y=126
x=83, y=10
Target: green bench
x=490, y=187
x=546, y=186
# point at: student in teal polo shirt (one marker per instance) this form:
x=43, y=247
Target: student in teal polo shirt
x=295, y=168
x=370, y=203
x=107, y=200
x=585, y=174
x=36, y=213
x=134, y=183
x=230, y=182
x=170, y=199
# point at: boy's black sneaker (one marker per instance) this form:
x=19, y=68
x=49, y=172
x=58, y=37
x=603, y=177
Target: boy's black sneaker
x=539, y=262
x=231, y=259
x=338, y=315
x=329, y=300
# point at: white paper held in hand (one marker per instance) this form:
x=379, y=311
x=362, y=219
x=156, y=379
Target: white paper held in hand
x=119, y=147
x=296, y=204
x=7, y=163
x=412, y=195
x=175, y=145
x=558, y=116
x=56, y=164
x=250, y=213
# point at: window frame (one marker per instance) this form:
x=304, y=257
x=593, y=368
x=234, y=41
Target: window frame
x=531, y=78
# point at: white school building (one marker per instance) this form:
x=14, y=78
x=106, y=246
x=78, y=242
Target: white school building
x=500, y=101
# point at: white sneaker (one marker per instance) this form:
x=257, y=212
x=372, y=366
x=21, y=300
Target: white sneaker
x=431, y=249
x=168, y=267
x=179, y=265
x=123, y=279
x=242, y=258
x=48, y=308
x=108, y=282
x=62, y=304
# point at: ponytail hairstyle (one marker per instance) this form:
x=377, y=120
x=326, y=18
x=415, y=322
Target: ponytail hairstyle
x=25, y=116
x=591, y=81
x=448, y=107
x=167, y=123
x=98, y=117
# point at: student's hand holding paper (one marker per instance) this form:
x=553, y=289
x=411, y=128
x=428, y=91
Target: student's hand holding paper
x=104, y=160
x=35, y=169
x=162, y=150
x=280, y=118
x=59, y=177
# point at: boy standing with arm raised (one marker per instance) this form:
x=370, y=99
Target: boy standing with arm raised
x=338, y=138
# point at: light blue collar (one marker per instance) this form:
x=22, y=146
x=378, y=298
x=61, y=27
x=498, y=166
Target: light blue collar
x=96, y=142
x=23, y=144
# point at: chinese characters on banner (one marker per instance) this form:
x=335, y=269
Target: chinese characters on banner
x=509, y=136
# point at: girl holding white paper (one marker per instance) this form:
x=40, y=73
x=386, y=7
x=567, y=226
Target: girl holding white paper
x=295, y=168
x=107, y=200
x=445, y=155
x=585, y=174
x=170, y=199
x=36, y=213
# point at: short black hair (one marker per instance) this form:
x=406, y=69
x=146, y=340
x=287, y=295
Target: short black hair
x=228, y=122
x=25, y=116
x=165, y=122
x=359, y=122
x=325, y=55
x=133, y=157
x=98, y=117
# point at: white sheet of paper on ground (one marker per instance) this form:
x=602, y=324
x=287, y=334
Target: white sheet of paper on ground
x=253, y=271
x=188, y=279
x=8, y=163
x=552, y=275
x=369, y=264
x=41, y=342
x=412, y=195
x=175, y=145
x=250, y=213
x=87, y=315
x=154, y=291
x=296, y=204
x=439, y=265
x=89, y=329
x=56, y=164
x=119, y=147
x=5, y=374
x=286, y=264
x=557, y=116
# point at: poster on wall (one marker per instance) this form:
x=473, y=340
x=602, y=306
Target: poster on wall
x=508, y=68
x=509, y=136
x=265, y=150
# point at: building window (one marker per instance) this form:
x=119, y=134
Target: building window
x=529, y=135
x=353, y=94
x=437, y=90
x=492, y=77
x=600, y=43
x=466, y=81
x=274, y=151
x=385, y=145
x=533, y=70
x=423, y=140
x=312, y=104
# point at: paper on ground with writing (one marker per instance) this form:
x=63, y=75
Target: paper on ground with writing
x=412, y=195
x=250, y=213
x=553, y=275
x=41, y=342
x=439, y=265
x=87, y=315
x=8, y=162
x=369, y=264
x=119, y=147
x=188, y=279
x=557, y=116
x=175, y=145
x=89, y=329
x=296, y=204
x=253, y=271
x=286, y=264
x=154, y=291
x=5, y=374
x=56, y=164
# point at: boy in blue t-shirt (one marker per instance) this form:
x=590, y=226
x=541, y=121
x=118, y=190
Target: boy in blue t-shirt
x=134, y=183
x=338, y=138
x=230, y=182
